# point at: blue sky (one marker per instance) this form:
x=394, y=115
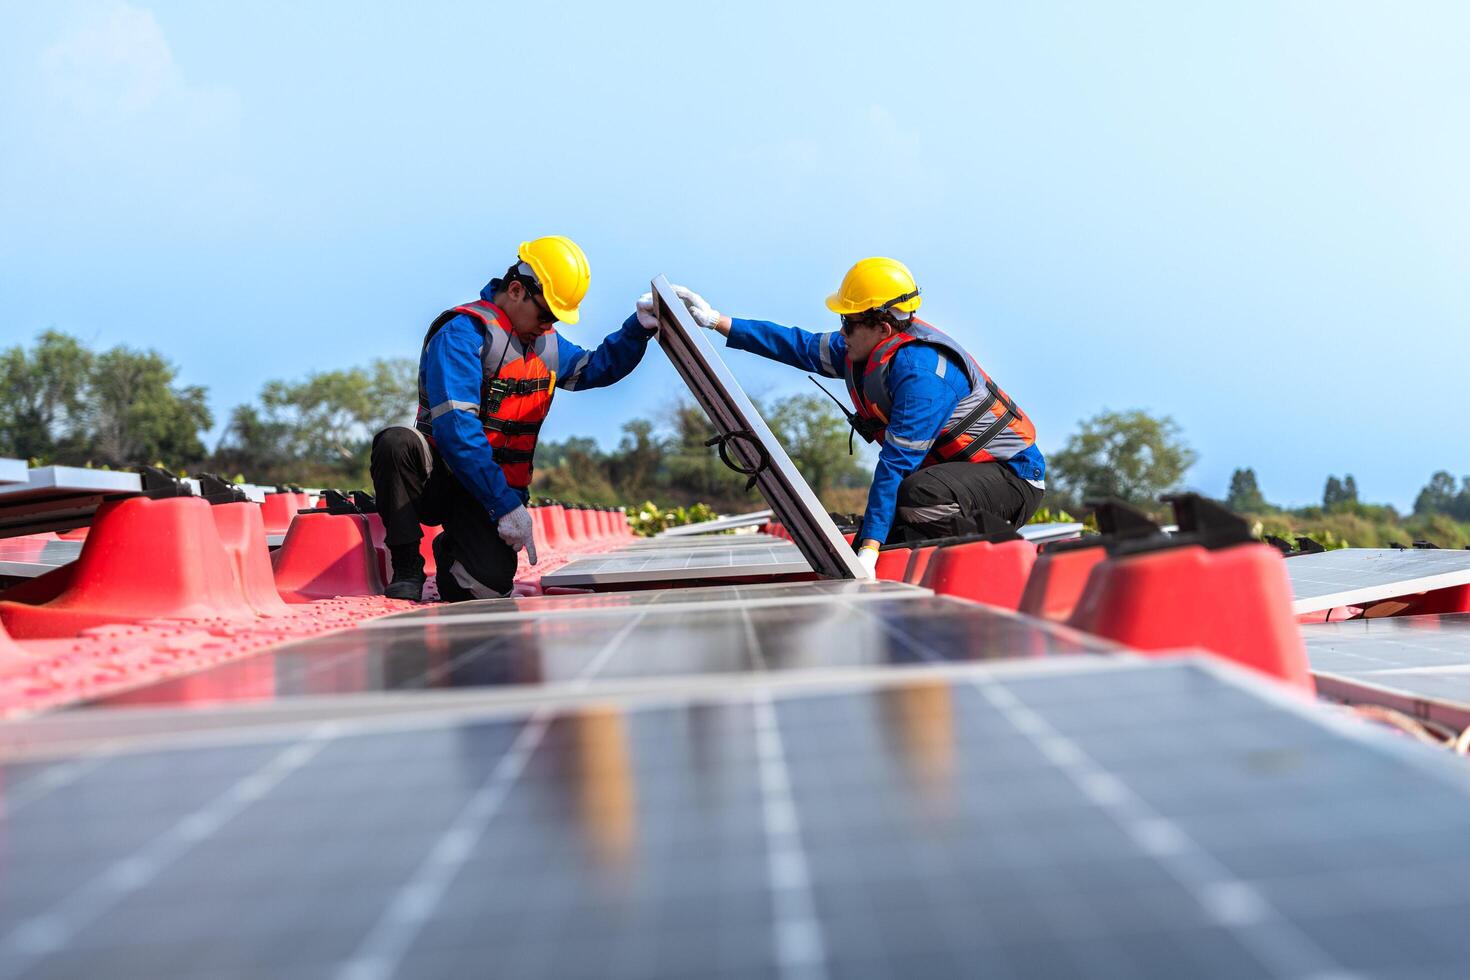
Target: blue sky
x=1254, y=217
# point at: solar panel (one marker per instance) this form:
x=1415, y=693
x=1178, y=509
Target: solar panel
x=12, y=470
x=749, y=440
x=56, y=498
x=1038, y=533
x=718, y=524
x=696, y=640
x=652, y=601
x=1418, y=664
x=692, y=542
x=685, y=565
x=1159, y=819
x=1353, y=576
x=28, y=559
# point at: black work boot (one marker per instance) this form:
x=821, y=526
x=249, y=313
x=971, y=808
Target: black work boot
x=449, y=589
x=408, y=573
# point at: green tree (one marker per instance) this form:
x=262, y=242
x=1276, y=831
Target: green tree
x=814, y=434
x=1338, y=494
x=1245, y=494
x=319, y=429
x=636, y=465
x=1130, y=455
x=575, y=470
x=694, y=472
x=41, y=413
x=1440, y=496
x=136, y=414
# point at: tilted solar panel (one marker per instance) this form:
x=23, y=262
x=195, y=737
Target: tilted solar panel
x=1417, y=664
x=1353, y=576
x=750, y=441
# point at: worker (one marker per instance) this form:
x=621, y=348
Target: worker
x=958, y=455
x=487, y=372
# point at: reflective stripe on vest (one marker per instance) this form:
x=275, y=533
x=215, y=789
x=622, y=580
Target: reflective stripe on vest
x=985, y=424
x=516, y=388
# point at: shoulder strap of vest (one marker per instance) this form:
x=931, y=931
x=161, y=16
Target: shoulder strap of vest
x=885, y=350
x=480, y=312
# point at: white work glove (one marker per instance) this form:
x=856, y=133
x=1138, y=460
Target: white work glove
x=704, y=314
x=515, y=530
x=647, y=318
x=868, y=558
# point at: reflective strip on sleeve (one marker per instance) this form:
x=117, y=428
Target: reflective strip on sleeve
x=824, y=354
x=572, y=378
x=939, y=368
x=453, y=406
x=922, y=445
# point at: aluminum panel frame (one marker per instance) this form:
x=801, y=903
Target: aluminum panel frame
x=731, y=411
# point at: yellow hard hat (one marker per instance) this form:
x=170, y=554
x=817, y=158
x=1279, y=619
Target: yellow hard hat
x=876, y=283
x=562, y=271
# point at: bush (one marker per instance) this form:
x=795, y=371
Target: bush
x=650, y=519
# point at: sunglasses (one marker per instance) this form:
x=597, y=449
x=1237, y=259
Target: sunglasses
x=851, y=323
x=544, y=316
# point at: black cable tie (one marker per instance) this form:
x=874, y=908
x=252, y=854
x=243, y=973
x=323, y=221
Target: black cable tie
x=723, y=442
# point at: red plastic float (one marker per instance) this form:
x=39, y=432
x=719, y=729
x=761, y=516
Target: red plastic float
x=277, y=510
x=327, y=555
x=242, y=532
x=1061, y=571
x=982, y=571
x=1211, y=586
x=145, y=559
x=1058, y=579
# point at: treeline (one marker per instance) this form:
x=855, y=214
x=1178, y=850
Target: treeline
x=1441, y=514
x=122, y=407
x=118, y=408
x=63, y=403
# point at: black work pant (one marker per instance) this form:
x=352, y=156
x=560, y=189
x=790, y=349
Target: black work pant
x=952, y=499
x=413, y=486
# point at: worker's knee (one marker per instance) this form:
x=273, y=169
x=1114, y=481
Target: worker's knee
x=397, y=443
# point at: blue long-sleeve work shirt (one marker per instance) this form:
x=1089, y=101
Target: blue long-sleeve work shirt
x=923, y=400
x=451, y=371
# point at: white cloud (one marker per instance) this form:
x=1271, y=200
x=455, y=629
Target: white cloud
x=112, y=133
x=118, y=64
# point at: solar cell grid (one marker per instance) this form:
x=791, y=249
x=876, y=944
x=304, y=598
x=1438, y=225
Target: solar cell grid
x=655, y=600
x=698, y=645
x=27, y=559
x=1415, y=663
x=687, y=564
x=998, y=826
x=694, y=542
x=1352, y=576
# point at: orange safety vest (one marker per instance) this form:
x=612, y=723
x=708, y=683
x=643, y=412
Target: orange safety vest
x=985, y=426
x=515, y=391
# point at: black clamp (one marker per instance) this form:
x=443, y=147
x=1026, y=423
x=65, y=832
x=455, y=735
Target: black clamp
x=217, y=490
x=763, y=459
